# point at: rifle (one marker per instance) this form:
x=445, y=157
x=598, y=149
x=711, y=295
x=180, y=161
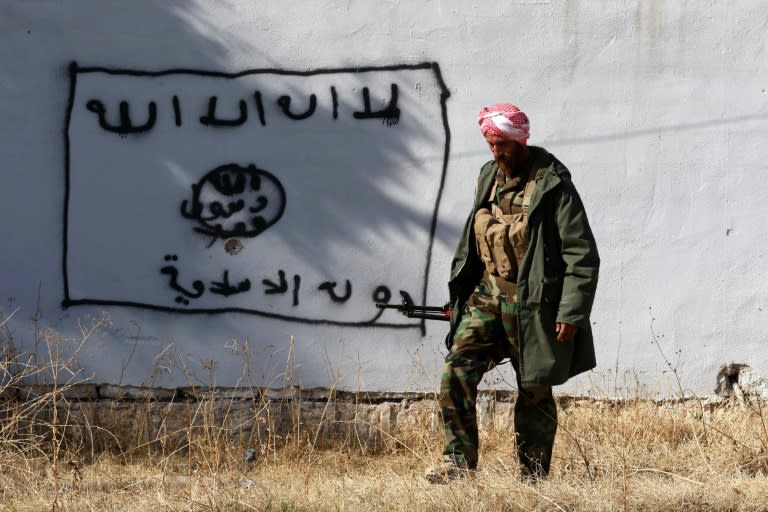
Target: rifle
x=411, y=310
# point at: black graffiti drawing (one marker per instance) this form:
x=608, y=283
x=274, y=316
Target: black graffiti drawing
x=223, y=216
x=382, y=294
x=235, y=201
x=126, y=125
x=335, y=102
x=197, y=285
x=260, y=108
x=389, y=114
x=210, y=118
x=285, y=103
x=282, y=286
x=330, y=287
x=176, y=110
x=226, y=289
x=223, y=287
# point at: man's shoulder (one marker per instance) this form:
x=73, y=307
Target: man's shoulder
x=489, y=169
x=546, y=163
x=487, y=166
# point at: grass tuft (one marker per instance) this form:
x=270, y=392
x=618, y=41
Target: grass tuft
x=61, y=453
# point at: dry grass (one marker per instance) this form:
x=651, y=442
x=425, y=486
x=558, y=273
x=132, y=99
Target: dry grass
x=630, y=455
x=640, y=455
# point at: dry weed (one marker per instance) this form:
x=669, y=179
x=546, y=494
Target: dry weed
x=634, y=455
x=644, y=456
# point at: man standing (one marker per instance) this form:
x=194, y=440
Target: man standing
x=523, y=280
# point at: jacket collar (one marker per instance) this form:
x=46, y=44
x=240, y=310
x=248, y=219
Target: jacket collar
x=547, y=177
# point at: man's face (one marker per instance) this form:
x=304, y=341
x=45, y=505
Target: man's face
x=509, y=155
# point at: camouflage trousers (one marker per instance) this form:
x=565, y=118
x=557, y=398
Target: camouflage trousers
x=486, y=335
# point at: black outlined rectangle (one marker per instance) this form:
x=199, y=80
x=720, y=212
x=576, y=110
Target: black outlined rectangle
x=129, y=135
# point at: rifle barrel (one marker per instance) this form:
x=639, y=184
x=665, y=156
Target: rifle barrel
x=430, y=316
x=402, y=307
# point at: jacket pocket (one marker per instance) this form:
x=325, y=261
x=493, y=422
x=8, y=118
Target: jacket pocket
x=502, y=252
x=483, y=221
x=495, y=245
x=518, y=240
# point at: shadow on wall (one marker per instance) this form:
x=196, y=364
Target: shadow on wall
x=233, y=182
x=304, y=195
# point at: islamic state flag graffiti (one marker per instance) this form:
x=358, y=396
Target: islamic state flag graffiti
x=301, y=195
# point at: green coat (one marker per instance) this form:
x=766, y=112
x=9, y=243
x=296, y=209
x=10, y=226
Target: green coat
x=556, y=281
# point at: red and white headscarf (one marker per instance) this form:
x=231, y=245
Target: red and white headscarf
x=505, y=120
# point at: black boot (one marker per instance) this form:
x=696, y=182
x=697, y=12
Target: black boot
x=534, y=463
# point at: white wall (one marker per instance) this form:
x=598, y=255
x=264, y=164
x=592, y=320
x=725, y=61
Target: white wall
x=659, y=109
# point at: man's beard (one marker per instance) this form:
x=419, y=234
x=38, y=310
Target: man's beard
x=506, y=168
x=511, y=165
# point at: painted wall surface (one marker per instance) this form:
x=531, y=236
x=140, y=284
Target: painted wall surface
x=235, y=184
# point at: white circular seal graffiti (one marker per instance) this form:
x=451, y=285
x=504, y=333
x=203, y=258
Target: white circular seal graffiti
x=235, y=201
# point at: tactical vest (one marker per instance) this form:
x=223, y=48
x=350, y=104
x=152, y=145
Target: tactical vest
x=501, y=234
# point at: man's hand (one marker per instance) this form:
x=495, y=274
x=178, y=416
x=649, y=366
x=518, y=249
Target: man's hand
x=565, y=332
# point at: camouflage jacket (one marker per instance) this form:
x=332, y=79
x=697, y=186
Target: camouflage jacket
x=556, y=281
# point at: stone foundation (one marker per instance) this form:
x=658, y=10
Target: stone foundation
x=124, y=417
x=116, y=417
